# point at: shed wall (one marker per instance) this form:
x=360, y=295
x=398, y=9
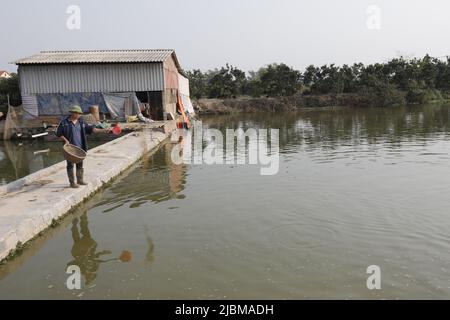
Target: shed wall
x=115, y=77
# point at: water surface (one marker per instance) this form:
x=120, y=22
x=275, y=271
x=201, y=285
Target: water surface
x=21, y=158
x=356, y=187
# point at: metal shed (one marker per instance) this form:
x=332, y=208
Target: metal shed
x=50, y=80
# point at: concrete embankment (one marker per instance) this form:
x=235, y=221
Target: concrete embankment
x=30, y=205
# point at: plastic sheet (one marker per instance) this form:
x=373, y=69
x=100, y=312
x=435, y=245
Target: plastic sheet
x=120, y=105
x=187, y=104
x=59, y=103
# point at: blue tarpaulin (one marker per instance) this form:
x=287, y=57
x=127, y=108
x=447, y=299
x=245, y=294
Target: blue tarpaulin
x=60, y=103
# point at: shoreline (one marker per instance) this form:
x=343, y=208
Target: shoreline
x=292, y=103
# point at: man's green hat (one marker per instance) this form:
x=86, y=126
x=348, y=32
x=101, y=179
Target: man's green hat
x=76, y=109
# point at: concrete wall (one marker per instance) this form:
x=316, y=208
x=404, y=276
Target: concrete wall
x=170, y=100
x=170, y=74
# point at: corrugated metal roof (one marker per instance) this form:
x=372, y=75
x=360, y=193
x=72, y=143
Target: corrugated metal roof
x=98, y=56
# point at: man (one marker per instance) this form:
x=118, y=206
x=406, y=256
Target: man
x=73, y=130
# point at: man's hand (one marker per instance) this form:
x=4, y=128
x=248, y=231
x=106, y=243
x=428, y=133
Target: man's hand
x=98, y=130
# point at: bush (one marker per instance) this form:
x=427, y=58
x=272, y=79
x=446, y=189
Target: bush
x=10, y=86
x=420, y=96
x=383, y=95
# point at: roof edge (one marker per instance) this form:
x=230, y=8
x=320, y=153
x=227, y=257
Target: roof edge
x=177, y=63
x=23, y=60
x=104, y=50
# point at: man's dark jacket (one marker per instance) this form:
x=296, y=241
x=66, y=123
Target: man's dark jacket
x=64, y=129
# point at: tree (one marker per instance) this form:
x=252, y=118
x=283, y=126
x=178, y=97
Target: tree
x=443, y=75
x=10, y=86
x=226, y=82
x=197, y=83
x=252, y=85
x=428, y=71
x=417, y=79
x=310, y=76
x=279, y=80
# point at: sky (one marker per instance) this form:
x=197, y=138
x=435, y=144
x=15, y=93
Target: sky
x=248, y=34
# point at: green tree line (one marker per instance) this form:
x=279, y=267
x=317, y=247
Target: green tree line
x=9, y=86
x=399, y=80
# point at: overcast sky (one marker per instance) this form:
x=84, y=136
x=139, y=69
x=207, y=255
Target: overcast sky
x=246, y=33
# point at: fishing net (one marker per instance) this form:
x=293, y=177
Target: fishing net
x=19, y=120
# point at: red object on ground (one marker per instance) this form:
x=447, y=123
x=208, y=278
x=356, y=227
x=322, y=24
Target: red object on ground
x=116, y=129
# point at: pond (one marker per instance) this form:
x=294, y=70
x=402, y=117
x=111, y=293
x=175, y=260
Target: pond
x=21, y=158
x=355, y=188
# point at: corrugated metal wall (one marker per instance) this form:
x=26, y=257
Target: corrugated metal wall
x=30, y=105
x=67, y=78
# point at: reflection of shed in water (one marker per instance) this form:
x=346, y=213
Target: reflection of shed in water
x=161, y=181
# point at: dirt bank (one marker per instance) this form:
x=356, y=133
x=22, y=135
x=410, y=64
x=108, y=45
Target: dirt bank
x=293, y=103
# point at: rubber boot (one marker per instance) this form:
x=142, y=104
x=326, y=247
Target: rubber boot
x=80, y=181
x=71, y=178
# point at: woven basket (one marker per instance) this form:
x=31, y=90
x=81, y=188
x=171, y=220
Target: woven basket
x=73, y=153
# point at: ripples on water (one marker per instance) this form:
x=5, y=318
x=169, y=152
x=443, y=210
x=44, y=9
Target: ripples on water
x=356, y=187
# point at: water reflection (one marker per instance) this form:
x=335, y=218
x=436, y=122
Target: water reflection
x=308, y=232
x=84, y=249
x=157, y=179
x=149, y=256
x=86, y=255
x=19, y=159
x=332, y=128
x=353, y=136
